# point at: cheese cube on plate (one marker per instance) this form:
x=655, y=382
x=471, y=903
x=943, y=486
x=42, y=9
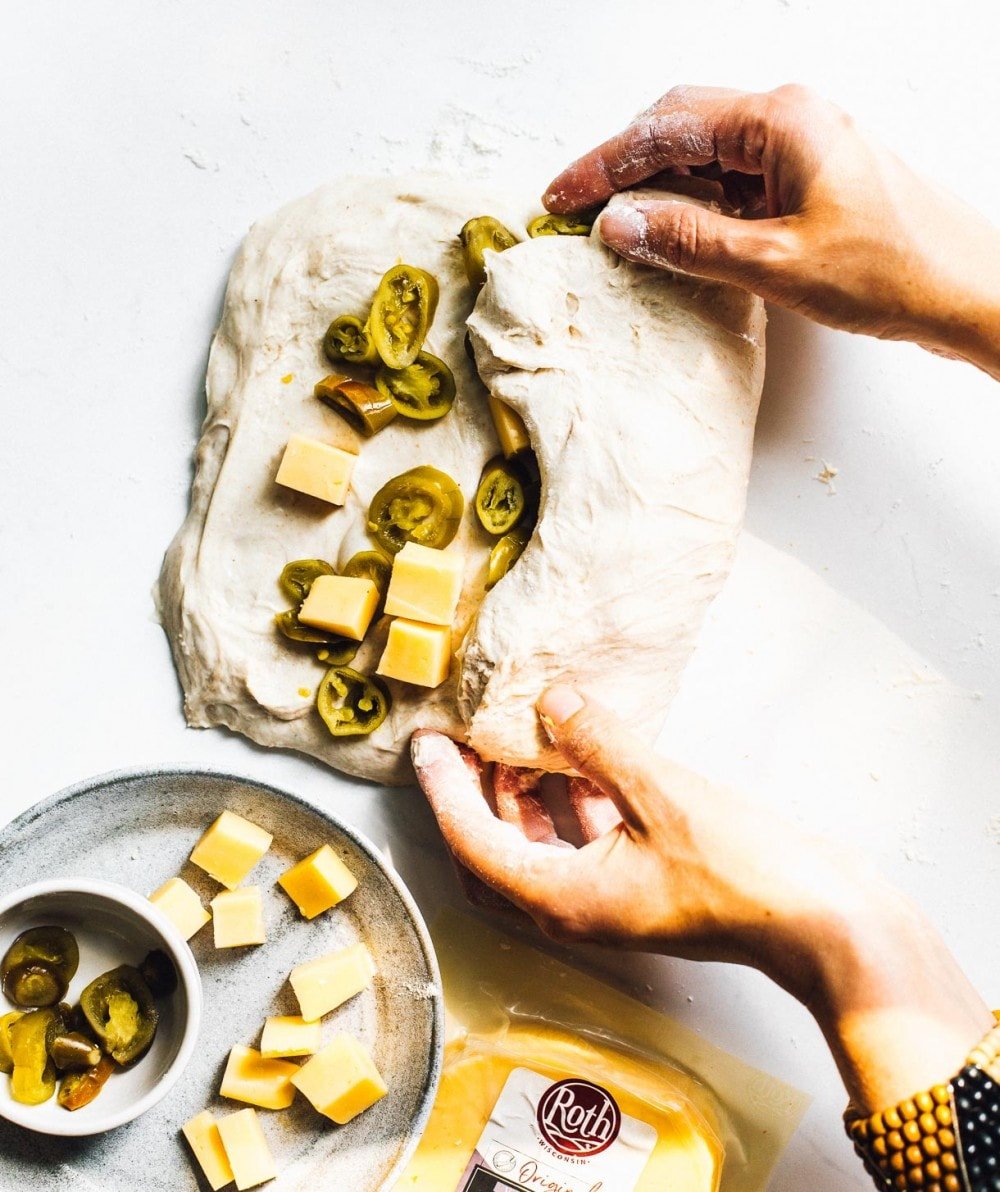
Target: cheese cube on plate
x=417, y=653
x=324, y=984
x=317, y=469
x=247, y=1149
x=181, y=905
x=343, y=604
x=238, y=918
x=425, y=585
x=204, y=1139
x=289, y=1035
x=341, y=1080
x=318, y=882
x=230, y=848
x=251, y=1078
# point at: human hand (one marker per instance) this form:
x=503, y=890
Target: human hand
x=839, y=228
x=689, y=868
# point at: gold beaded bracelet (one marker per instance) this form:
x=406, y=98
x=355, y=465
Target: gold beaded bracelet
x=915, y=1145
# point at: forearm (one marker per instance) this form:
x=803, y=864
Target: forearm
x=898, y=1013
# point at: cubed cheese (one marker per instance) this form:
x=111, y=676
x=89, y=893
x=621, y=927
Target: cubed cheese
x=417, y=653
x=289, y=1035
x=247, y=1149
x=230, y=848
x=425, y=584
x=510, y=428
x=324, y=984
x=318, y=882
x=317, y=469
x=204, y=1139
x=238, y=918
x=343, y=604
x=251, y=1078
x=181, y=905
x=341, y=1080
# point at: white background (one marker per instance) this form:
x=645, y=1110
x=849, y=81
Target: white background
x=138, y=143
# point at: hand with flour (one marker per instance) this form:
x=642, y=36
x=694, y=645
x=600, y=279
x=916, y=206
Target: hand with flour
x=835, y=226
x=672, y=863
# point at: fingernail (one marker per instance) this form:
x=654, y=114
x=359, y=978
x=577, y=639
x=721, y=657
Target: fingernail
x=425, y=749
x=558, y=704
x=625, y=226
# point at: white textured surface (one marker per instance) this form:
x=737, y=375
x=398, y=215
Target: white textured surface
x=138, y=148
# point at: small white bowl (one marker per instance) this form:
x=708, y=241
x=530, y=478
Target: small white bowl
x=113, y=926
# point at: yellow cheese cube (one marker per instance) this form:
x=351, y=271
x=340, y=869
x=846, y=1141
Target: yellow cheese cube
x=316, y=469
x=247, y=1149
x=251, y=1078
x=341, y=1080
x=318, y=882
x=230, y=848
x=204, y=1139
x=238, y=918
x=324, y=984
x=181, y=905
x=417, y=653
x=510, y=428
x=289, y=1035
x=343, y=604
x=425, y=584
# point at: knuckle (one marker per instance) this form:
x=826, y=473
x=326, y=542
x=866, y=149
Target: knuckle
x=562, y=926
x=795, y=94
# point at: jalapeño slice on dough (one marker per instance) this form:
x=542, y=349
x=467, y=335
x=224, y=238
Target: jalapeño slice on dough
x=373, y=565
x=423, y=391
x=507, y=493
x=351, y=704
x=558, y=225
x=505, y=554
x=361, y=406
x=298, y=577
x=477, y=235
x=348, y=339
x=402, y=312
x=422, y=505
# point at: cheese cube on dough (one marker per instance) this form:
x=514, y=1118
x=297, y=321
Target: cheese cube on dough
x=425, y=584
x=510, y=428
x=204, y=1139
x=238, y=918
x=247, y=1149
x=289, y=1035
x=251, y=1078
x=341, y=1080
x=318, y=882
x=181, y=905
x=230, y=848
x=343, y=604
x=417, y=653
x=316, y=469
x=324, y=984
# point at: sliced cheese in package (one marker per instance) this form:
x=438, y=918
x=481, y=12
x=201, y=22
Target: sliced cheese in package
x=554, y=1081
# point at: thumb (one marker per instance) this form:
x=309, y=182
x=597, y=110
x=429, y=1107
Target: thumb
x=672, y=234
x=600, y=747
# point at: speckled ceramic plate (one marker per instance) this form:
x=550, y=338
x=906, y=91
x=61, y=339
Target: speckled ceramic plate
x=138, y=829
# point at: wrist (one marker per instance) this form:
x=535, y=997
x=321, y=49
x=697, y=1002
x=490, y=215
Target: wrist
x=898, y=1013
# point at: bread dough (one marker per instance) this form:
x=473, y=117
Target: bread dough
x=640, y=392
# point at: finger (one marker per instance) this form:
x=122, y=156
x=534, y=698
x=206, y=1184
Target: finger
x=518, y=797
x=594, y=812
x=598, y=745
x=531, y=875
x=690, y=126
x=672, y=234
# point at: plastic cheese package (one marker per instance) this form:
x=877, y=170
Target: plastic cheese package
x=555, y=1082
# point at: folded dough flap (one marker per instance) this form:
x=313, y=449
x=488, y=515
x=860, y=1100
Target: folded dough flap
x=639, y=390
